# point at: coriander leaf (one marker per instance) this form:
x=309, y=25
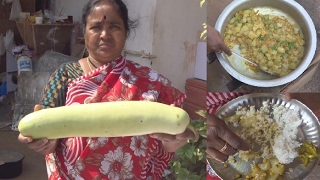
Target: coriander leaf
x=275, y=47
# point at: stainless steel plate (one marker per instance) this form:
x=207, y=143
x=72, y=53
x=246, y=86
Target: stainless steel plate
x=308, y=131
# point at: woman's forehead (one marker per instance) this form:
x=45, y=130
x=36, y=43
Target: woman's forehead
x=104, y=11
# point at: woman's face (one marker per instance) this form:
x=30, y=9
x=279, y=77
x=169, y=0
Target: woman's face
x=105, y=33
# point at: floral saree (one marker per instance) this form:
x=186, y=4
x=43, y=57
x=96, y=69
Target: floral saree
x=114, y=158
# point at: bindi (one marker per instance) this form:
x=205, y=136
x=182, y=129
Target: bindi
x=105, y=18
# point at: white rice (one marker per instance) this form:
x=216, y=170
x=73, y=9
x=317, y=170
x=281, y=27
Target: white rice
x=275, y=132
x=286, y=144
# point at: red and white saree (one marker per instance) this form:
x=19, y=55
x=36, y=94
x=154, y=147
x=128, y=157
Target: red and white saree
x=134, y=158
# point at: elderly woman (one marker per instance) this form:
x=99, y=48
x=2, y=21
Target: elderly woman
x=107, y=76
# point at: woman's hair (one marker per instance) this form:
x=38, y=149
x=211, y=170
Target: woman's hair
x=120, y=7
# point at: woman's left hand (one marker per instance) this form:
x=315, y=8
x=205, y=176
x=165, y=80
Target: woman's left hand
x=172, y=143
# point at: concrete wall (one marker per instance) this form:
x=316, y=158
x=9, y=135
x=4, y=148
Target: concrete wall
x=169, y=29
x=177, y=28
x=141, y=38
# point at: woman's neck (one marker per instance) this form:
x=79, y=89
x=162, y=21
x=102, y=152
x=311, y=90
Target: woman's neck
x=91, y=63
x=94, y=62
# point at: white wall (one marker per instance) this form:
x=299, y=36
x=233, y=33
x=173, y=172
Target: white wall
x=169, y=29
x=177, y=29
x=142, y=37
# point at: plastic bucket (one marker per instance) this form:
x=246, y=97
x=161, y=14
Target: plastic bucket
x=24, y=64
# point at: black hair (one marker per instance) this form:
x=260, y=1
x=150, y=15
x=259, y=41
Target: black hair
x=120, y=7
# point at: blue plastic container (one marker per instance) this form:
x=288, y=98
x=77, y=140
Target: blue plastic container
x=3, y=88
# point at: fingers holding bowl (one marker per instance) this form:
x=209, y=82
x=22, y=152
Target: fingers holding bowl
x=219, y=51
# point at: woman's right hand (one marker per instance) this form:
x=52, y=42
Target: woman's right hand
x=215, y=42
x=42, y=146
x=221, y=141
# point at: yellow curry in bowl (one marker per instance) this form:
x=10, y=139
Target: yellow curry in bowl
x=272, y=40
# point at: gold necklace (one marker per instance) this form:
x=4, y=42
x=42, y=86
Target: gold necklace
x=89, y=63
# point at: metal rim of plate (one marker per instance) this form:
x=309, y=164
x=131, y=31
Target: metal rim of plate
x=278, y=81
x=308, y=131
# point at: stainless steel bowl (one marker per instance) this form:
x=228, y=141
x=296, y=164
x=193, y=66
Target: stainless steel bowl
x=291, y=9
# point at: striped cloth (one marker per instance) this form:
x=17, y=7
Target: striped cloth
x=216, y=100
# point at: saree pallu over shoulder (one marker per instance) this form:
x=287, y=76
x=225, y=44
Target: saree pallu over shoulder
x=123, y=79
x=55, y=90
x=136, y=157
